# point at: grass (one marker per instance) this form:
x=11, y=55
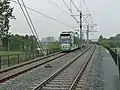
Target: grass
x=115, y=48
x=9, y=58
x=51, y=45
x=10, y=52
x=12, y=56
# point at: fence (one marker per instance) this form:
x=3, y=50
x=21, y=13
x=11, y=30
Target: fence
x=9, y=60
x=115, y=57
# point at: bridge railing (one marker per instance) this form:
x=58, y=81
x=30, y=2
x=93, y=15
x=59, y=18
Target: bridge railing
x=13, y=59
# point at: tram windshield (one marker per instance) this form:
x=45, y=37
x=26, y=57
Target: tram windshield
x=65, y=40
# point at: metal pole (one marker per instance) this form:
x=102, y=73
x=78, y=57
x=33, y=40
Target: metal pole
x=119, y=64
x=70, y=6
x=8, y=43
x=26, y=56
x=0, y=63
x=118, y=59
x=18, y=59
x=117, y=52
x=20, y=46
x=8, y=61
x=87, y=34
x=81, y=29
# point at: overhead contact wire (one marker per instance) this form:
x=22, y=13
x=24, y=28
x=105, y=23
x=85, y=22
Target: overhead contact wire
x=45, y=15
x=88, y=11
x=33, y=26
x=26, y=18
x=64, y=10
x=70, y=11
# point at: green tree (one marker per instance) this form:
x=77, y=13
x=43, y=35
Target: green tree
x=23, y=43
x=105, y=43
x=5, y=16
x=100, y=39
x=53, y=45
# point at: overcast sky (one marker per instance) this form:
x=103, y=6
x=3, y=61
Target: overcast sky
x=105, y=14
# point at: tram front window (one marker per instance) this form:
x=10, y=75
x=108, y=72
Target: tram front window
x=65, y=41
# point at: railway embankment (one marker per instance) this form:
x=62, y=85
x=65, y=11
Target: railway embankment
x=104, y=73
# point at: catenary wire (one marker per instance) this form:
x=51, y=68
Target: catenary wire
x=26, y=18
x=75, y=5
x=34, y=29
x=59, y=7
x=87, y=10
x=45, y=15
x=70, y=11
x=64, y=10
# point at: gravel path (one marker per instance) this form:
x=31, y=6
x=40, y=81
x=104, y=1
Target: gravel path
x=28, y=80
x=95, y=79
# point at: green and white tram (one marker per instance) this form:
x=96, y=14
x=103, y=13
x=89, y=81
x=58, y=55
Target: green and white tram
x=69, y=41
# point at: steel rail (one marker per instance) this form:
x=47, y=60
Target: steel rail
x=27, y=62
x=59, y=71
x=7, y=77
x=74, y=84
x=14, y=74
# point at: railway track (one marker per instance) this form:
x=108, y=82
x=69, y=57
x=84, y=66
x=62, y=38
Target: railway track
x=27, y=62
x=81, y=78
x=67, y=76
x=16, y=70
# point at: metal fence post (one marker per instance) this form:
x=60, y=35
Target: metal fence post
x=18, y=59
x=29, y=55
x=48, y=51
x=26, y=56
x=56, y=50
x=119, y=64
x=36, y=54
x=52, y=50
x=0, y=62
x=8, y=61
x=33, y=55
